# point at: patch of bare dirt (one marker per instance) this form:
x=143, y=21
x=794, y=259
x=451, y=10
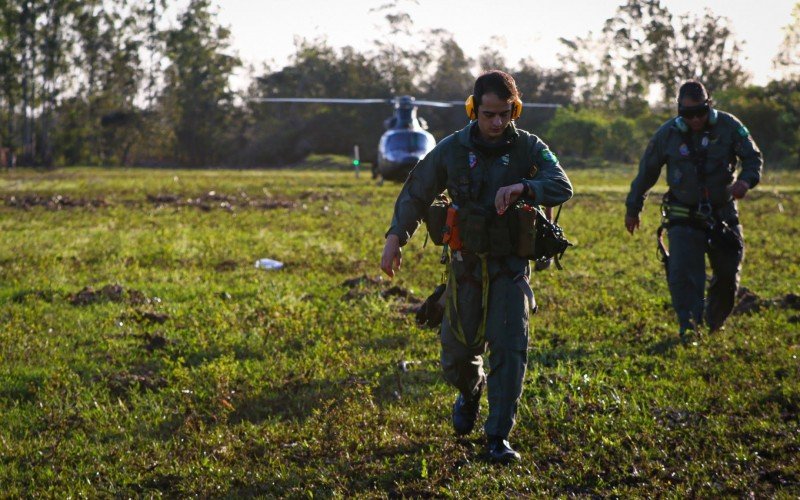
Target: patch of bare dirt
x=215, y=200
x=109, y=293
x=748, y=302
x=321, y=195
x=364, y=286
x=54, y=202
x=142, y=316
x=137, y=378
x=226, y=265
x=362, y=280
x=155, y=342
x=26, y=295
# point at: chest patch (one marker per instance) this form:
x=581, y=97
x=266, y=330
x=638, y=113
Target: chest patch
x=548, y=155
x=684, y=150
x=472, y=160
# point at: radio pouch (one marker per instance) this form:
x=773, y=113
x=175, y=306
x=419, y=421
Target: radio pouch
x=500, y=236
x=526, y=231
x=436, y=220
x=474, y=232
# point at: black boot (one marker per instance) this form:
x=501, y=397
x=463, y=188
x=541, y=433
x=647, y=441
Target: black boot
x=466, y=411
x=500, y=451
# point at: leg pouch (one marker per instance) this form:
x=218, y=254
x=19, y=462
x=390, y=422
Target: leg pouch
x=526, y=233
x=500, y=237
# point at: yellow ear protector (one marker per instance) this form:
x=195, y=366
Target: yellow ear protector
x=469, y=106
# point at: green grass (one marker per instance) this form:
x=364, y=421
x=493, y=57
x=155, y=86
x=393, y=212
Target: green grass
x=206, y=376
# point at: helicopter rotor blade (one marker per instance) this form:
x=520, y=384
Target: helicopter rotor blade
x=323, y=100
x=524, y=104
x=540, y=105
x=394, y=100
x=436, y=104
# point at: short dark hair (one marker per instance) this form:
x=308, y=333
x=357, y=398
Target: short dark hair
x=693, y=90
x=495, y=82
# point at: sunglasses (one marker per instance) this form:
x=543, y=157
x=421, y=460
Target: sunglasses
x=690, y=112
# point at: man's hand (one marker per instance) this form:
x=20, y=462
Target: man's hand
x=392, y=256
x=631, y=223
x=507, y=195
x=739, y=189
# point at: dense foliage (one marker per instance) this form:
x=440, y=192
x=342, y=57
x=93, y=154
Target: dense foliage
x=112, y=82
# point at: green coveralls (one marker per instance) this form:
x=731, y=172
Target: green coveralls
x=527, y=160
x=723, y=141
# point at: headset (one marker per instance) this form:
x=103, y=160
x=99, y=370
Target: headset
x=713, y=116
x=469, y=106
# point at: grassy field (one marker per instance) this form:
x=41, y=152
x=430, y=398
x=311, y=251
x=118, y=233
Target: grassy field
x=143, y=354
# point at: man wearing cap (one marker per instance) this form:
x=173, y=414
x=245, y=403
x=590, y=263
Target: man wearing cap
x=701, y=148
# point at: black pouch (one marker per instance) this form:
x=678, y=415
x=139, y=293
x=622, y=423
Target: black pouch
x=436, y=219
x=526, y=233
x=723, y=237
x=431, y=312
x=474, y=230
x=500, y=236
x=550, y=239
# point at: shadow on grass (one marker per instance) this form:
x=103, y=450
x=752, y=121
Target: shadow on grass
x=551, y=357
x=353, y=474
x=298, y=399
x=666, y=345
x=21, y=386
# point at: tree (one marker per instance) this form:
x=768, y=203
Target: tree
x=644, y=45
x=28, y=51
x=198, y=94
x=284, y=133
x=10, y=66
x=772, y=113
x=398, y=61
x=491, y=56
x=542, y=85
x=451, y=80
x=718, y=67
x=56, y=46
x=788, y=57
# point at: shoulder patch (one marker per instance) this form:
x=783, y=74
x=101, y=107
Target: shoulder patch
x=743, y=131
x=548, y=155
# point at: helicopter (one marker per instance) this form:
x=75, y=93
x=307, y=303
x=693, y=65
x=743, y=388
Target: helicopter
x=406, y=140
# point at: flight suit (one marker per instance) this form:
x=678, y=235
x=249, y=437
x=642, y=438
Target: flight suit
x=701, y=170
x=521, y=157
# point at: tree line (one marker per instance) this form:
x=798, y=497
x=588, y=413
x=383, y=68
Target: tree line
x=104, y=82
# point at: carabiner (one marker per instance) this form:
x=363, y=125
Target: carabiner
x=704, y=209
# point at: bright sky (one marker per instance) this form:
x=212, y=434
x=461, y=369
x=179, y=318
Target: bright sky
x=264, y=30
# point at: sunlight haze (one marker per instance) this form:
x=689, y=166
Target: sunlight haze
x=265, y=32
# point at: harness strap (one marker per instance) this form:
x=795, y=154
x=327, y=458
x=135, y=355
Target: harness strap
x=455, y=323
x=661, y=249
x=700, y=158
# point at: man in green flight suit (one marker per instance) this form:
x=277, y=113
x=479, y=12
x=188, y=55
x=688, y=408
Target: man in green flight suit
x=487, y=168
x=700, y=148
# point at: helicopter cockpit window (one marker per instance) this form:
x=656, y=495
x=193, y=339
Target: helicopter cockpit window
x=408, y=142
